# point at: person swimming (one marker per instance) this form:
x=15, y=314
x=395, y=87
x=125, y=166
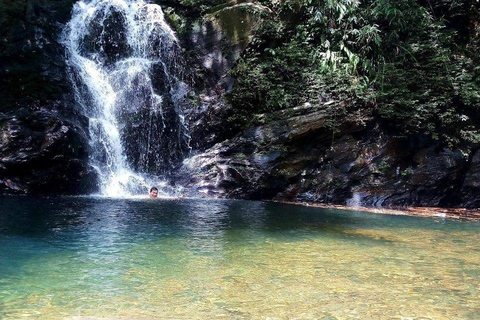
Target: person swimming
x=153, y=194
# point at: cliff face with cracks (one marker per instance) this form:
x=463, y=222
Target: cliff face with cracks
x=43, y=145
x=328, y=149
x=331, y=150
x=299, y=158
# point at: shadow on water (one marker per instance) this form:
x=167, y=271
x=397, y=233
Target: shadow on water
x=56, y=217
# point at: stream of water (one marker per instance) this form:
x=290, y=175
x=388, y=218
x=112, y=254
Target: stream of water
x=126, y=68
x=94, y=258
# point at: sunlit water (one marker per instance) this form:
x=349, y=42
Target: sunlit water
x=87, y=258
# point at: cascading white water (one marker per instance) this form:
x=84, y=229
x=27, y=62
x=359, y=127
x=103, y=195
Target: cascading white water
x=125, y=67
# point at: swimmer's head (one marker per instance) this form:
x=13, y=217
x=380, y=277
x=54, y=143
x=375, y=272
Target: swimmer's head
x=153, y=193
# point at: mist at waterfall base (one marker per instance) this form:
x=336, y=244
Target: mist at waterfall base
x=126, y=68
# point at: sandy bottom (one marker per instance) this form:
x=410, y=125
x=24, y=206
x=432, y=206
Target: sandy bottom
x=361, y=274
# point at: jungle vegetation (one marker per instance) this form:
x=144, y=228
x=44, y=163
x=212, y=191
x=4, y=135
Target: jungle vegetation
x=414, y=64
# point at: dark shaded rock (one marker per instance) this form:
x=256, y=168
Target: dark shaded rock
x=373, y=172
x=213, y=43
x=471, y=184
x=266, y=159
x=293, y=157
x=40, y=150
x=41, y=153
x=107, y=37
x=32, y=67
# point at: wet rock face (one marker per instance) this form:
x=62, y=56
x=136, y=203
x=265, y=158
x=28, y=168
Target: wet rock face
x=40, y=153
x=107, y=31
x=377, y=171
x=218, y=39
x=213, y=43
x=32, y=68
x=294, y=158
x=471, y=183
x=42, y=146
x=267, y=159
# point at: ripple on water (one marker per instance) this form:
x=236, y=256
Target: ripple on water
x=79, y=258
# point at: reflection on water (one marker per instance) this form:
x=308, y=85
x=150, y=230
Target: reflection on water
x=83, y=258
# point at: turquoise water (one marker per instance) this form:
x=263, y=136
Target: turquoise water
x=91, y=258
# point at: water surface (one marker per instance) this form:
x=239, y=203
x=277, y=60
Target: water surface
x=84, y=258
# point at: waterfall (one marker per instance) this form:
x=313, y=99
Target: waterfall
x=126, y=68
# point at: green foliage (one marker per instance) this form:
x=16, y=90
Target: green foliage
x=407, y=172
x=383, y=168
x=175, y=20
x=275, y=74
x=418, y=61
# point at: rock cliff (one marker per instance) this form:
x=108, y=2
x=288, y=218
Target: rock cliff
x=331, y=150
x=43, y=144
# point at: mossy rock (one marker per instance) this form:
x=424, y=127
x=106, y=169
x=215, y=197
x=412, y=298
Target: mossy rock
x=237, y=19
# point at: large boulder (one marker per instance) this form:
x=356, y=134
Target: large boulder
x=265, y=159
x=296, y=155
x=42, y=153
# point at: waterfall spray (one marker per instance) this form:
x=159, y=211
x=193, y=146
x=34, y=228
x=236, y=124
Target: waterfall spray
x=126, y=68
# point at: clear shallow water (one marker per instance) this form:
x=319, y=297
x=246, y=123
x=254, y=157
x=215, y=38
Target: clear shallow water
x=91, y=258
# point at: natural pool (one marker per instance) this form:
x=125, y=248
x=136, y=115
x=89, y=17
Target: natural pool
x=91, y=258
